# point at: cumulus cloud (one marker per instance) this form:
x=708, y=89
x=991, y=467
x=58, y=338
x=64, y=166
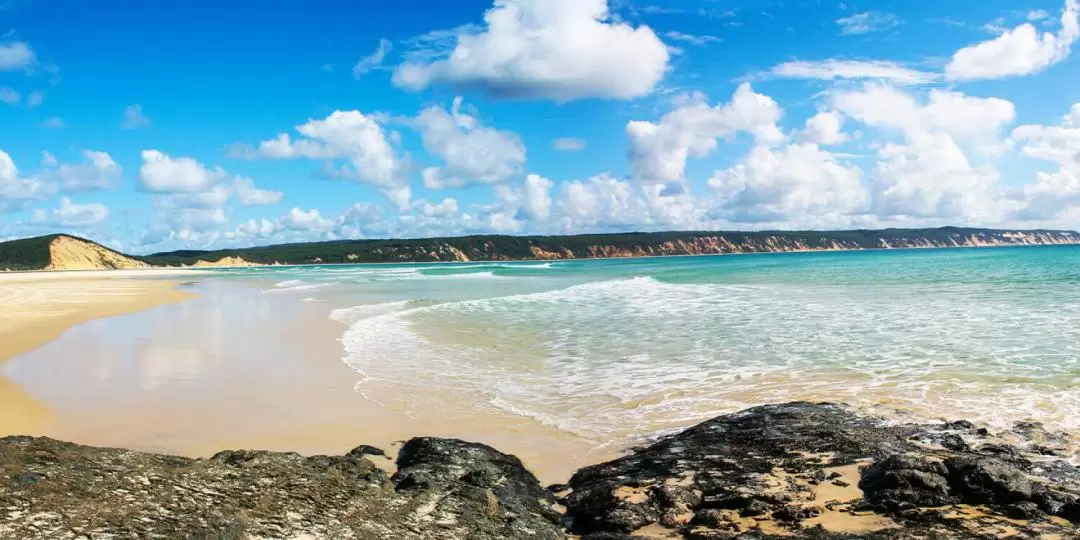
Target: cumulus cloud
x=824, y=128
x=162, y=174
x=794, y=182
x=309, y=220
x=359, y=140
x=70, y=215
x=134, y=118
x=474, y=153
x=16, y=189
x=929, y=175
x=448, y=207
x=249, y=195
x=832, y=69
x=562, y=50
x=1020, y=51
x=867, y=22
x=957, y=114
x=568, y=144
x=16, y=55
x=1053, y=193
x=96, y=171
x=659, y=151
x=373, y=60
x=538, y=197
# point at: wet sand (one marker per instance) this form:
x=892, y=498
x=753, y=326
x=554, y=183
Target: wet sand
x=37, y=308
x=236, y=368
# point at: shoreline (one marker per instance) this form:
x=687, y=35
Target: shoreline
x=153, y=271
x=35, y=313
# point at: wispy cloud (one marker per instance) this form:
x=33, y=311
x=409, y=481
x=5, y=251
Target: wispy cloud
x=833, y=69
x=373, y=60
x=867, y=22
x=134, y=117
x=692, y=39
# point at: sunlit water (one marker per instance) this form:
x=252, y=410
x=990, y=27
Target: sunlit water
x=609, y=350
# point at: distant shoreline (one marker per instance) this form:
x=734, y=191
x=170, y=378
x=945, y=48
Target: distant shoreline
x=159, y=271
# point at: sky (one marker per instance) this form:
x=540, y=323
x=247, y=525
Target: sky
x=160, y=125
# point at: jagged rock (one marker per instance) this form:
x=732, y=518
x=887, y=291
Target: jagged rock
x=797, y=470
x=792, y=470
x=904, y=481
x=58, y=490
x=987, y=480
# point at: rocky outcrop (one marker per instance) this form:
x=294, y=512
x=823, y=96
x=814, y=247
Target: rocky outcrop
x=443, y=489
x=797, y=470
x=824, y=471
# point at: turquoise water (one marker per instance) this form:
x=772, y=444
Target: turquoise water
x=606, y=349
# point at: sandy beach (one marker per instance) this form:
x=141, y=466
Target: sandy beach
x=36, y=308
x=230, y=367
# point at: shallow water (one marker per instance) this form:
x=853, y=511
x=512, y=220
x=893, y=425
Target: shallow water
x=608, y=350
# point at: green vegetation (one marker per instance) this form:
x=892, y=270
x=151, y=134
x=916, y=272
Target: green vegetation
x=26, y=254
x=499, y=247
x=34, y=253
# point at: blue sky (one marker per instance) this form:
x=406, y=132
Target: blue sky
x=159, y=125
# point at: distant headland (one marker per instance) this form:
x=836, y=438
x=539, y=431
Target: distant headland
x=66, y=252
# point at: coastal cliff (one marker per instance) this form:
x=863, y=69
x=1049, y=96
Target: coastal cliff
x=795, y=470
x=64, y=252
x=507, y=248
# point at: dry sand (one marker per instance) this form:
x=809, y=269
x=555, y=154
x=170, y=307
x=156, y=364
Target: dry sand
x=36, y=308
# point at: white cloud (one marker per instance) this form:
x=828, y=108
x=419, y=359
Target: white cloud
x=15, y=55
x=692, y=39
x=538, y=197
x=601, y=202
x=870, y=21
x=54, y=122
x=931, y=178
x=794, y=182
x=474, y=153
x=134, y=118
x=568, y=144
x=448, y=207
x=824, y=128
x=373, y=60
x=309, y=220
x=829, y=70
x=658, y=152
x=1037, y=15
x=97, y=171
x=70, y=215
x=9, y=96
x=562, y=50
x=15, y=189
x=1020, y=51
x=1052, y=194
x=212, y=198
x=359, y=139
x=249, y=195
x=957, y=114
x=35, y=99
x=162, y=174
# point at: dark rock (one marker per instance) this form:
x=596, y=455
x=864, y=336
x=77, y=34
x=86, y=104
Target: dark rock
x=63, y=490
x=365, y=450
x=1070, y=511
x=903, y=480
x=1023, y=510
x=978, y=480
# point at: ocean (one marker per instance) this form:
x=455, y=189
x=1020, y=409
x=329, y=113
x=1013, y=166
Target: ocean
x=612, y=350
